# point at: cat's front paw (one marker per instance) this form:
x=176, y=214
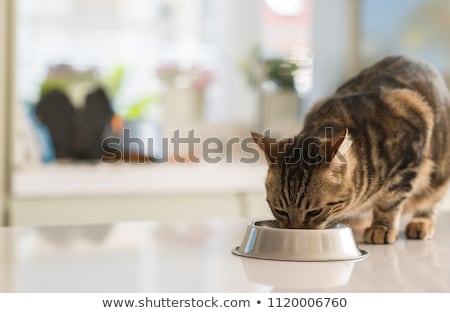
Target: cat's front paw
x=379, y=235
x=420, y=229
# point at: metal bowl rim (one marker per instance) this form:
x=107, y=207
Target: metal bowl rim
x=339, y=227
x=360, y=257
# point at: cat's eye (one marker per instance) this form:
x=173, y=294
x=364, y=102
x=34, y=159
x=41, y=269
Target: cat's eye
x=282, y=213
x=313, y=213
x=336, y=203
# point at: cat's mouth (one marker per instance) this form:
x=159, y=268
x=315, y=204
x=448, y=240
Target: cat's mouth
x=270, y=224
x=309, y=227
x=284, y=225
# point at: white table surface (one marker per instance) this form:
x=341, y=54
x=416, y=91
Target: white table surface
x=195, y=257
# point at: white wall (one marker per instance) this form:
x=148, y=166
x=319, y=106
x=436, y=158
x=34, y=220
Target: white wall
x=335, y=29
x=237, y=32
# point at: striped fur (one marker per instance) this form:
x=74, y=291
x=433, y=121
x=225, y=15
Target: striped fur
x=379, y=146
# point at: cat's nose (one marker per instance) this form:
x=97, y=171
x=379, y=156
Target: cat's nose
x=294, y=224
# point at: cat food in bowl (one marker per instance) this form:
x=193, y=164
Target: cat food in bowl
x=264, y=240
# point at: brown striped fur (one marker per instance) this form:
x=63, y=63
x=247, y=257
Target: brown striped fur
x=387, y=151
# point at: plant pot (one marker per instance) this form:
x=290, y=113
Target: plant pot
x=142, y=137
x=181, y=109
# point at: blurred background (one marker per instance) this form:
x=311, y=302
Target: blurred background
x=76, y=72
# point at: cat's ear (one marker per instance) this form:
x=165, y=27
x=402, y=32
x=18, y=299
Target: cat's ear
x=273, y=149
x=338, y=148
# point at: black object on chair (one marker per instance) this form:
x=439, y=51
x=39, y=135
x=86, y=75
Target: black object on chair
x=90, y=126
x=76, y=134
x=57, y=112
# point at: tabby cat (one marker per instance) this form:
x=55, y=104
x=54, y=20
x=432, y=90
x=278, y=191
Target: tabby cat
x=378, y=147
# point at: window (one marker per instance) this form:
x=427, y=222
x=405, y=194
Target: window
x=413, y=27
x=168, y=61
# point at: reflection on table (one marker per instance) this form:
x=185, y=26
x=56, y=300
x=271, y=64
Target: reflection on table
x=195, y=256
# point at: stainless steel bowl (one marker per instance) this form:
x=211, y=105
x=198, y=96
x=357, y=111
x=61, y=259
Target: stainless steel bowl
x=264, y=240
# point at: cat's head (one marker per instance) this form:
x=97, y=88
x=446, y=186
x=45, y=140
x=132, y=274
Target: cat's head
x=309, y=180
